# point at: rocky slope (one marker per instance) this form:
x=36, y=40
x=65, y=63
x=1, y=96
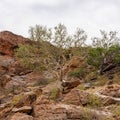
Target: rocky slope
x=10, y=41
x=23, y=96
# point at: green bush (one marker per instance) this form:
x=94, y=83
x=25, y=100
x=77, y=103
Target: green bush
x=54, y=93
x=114, y=52
x=94, y=101
x=32, y=57
x=77, y=73
x=95, y=57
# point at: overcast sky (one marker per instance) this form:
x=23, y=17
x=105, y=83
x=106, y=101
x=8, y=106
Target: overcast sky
x=90, y=15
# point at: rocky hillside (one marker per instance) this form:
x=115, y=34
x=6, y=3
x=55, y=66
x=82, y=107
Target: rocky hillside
x=30, y=95
x=10, y=41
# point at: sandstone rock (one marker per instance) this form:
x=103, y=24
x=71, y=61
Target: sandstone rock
x=15, y=86
x=10, y=41
x=42, y=100
x=111, y=90
x=3, y=71
x=6, y=61
x=29, y=98
x=38, y=91
x=76, y=97
x=75, y=62
x=17, y=69
x=24, y=109
x=5, y=79
x=61, y=111
x=5, y=99
x=87, y=85
x=25, y=99
x=67, y=85
x=21, y=116
x=5, y=112
x=109, y=101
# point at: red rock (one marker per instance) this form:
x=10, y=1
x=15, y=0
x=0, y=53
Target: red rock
x=61, y=111
x=75, y=62
x=10, y=41
x=21, y=116
x=76, y=97
x=109, y=101
x=24, y=109
x=111, y=90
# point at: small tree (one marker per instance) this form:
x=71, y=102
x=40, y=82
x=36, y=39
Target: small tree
x=79, y=38
x=96, y=56
x=60, y=35
x=40, y=33
x=104, y=50
x=62, y=41
x=114, y=54
x=106, y=40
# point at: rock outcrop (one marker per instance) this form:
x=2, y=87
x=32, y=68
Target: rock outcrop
x=21, y=116
x=76, y=97
x=75, y=62
x=112, y=91
x=65, y=112
x=10, y=41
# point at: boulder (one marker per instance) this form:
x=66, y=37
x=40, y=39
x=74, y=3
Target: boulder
x=25, y=99
x=76, y=97
x=15, y=86
x=5, y=79
x=109, y=101
x=75, y=62
x=5, y=112
x=67, y=85
x=111, y=90
x=24, y=109
x=87, y=85
x=3, y=71
x=21, y=116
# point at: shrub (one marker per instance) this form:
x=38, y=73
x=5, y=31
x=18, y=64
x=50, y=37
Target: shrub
x=95, y=57
x=77, y=73
x=94, y=101
x=81, y=87
x=16, y=99
x=54, y=93
x=116, y=112
x=88, y=114
x=114, y=52
x=32, y=57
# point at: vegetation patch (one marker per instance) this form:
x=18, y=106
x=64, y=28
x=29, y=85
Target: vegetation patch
x=43, y=81
x=81, y=87
x=94, y=101
x=79, y=73
x=16, y=99
x=116, y=112
x=88, y=114
x=54, y=93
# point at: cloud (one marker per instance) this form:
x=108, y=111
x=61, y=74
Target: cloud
x=91, y=15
